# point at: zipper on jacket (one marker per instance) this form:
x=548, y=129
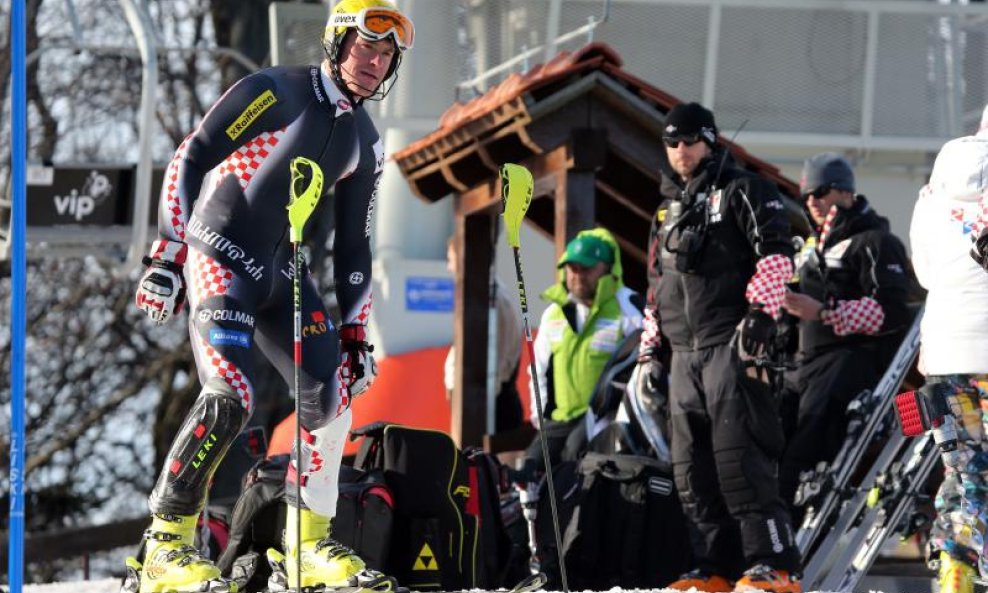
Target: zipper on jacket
x=686, y=310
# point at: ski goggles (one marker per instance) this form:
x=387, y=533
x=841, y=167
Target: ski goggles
x=377, y=24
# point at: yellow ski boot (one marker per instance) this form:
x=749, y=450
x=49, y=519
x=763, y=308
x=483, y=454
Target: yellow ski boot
x=172, y=563
x=327, y=565
x=956, y=576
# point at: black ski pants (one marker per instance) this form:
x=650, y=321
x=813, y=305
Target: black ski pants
x=820, y=390
x=726, y=441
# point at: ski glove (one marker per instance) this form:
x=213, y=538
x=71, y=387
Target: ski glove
x=980, y=250
x=357, y=367
x=754, y=334
x=161, y=290
x=650, y=375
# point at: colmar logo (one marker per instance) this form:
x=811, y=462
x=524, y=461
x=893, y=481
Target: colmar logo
x=226, y=315
x=773, y=535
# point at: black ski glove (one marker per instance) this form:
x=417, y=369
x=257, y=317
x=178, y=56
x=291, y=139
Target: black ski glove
x=754, y=334
x=980, y=250
x=650, y=374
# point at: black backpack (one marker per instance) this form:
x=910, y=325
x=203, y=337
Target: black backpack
x=621, y=524
x=447, y=530
x=363, y=520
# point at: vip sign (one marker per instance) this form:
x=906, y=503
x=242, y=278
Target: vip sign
x=76, y=196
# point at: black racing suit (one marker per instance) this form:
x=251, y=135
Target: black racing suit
x=726, y=436
x=860, y=258
x=225, y=196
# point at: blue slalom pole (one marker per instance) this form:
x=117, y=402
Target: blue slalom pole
x=18, y=273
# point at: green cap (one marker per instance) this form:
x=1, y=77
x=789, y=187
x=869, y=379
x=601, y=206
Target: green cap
x=587, y=250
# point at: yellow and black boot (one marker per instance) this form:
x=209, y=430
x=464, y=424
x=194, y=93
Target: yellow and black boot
x=326, y=565
x=172, y=563
x=956, y=576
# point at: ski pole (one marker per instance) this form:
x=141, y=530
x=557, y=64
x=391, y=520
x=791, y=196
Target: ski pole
x=306, y=189
x=516, y=195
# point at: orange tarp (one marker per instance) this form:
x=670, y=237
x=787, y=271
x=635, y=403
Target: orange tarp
x=408, y=390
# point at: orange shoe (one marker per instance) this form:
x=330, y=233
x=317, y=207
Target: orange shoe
x=765, y=578
x=701, y=581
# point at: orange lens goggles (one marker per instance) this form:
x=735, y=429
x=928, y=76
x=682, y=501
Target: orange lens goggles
x=377, y=24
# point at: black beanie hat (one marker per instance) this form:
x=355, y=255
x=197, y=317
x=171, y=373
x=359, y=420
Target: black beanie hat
x=691, y=118
x=826, y=170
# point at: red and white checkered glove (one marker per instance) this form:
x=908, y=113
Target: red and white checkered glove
x=357, y=367
x=862, y=316
x=161, y=290
x=767, y=286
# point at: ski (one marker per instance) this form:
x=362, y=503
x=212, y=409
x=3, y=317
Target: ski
x=891, y=498
x=871, y=419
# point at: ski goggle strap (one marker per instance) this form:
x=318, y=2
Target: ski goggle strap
x=377, y=24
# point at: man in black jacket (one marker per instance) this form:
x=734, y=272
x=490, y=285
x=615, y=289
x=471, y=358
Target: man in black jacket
x=719, y=257
x=855, y=281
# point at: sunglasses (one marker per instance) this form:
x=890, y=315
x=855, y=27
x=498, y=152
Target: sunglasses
x=817, y=193
x=377, y=24
x=687, y=139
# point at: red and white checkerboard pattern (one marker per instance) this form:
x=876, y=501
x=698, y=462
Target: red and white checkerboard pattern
x=342, y=392
x=828, y=224
x=363, y=313
x=651, y=336
x=230, y=373
x=246, y=160
x=982, y=222
x=207, y=278
x=861, y=316
x=170, y=251
x=768, y=284
x=171, y=198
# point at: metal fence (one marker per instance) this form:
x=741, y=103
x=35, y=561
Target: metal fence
x=885, y=74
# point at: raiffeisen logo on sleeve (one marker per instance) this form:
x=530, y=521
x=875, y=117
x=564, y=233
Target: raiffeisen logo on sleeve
x=253, y=111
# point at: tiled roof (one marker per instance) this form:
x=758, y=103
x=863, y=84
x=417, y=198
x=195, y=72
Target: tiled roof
x=564, y=68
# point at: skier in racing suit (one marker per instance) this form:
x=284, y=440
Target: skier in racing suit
x=954, y=349
x=224, y=243
x=719, y=255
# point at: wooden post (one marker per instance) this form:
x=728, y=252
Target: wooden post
x=469, y=405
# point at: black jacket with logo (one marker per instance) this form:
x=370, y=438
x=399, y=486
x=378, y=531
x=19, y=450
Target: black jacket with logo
x=732, y=220
x=861, y=258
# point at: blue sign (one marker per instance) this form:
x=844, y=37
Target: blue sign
x=429, y=294
x=223, y=337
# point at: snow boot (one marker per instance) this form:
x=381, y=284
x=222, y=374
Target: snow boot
x=701, y=581
x=172, y=563
x=327, y=565
x=765, y=578
x=956, y=576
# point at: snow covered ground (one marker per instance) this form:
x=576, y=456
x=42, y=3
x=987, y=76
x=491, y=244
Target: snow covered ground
x=113, y=585
x=102, y=586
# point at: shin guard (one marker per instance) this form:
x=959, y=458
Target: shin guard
x=210, y=427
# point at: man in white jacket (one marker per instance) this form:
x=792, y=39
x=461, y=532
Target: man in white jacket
x=954, y=355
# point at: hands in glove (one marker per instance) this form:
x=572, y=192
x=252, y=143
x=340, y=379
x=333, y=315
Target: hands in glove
x=980, y=250
x=755, y=334
x=357, y=366
x=161, y=290
x=650, y=375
